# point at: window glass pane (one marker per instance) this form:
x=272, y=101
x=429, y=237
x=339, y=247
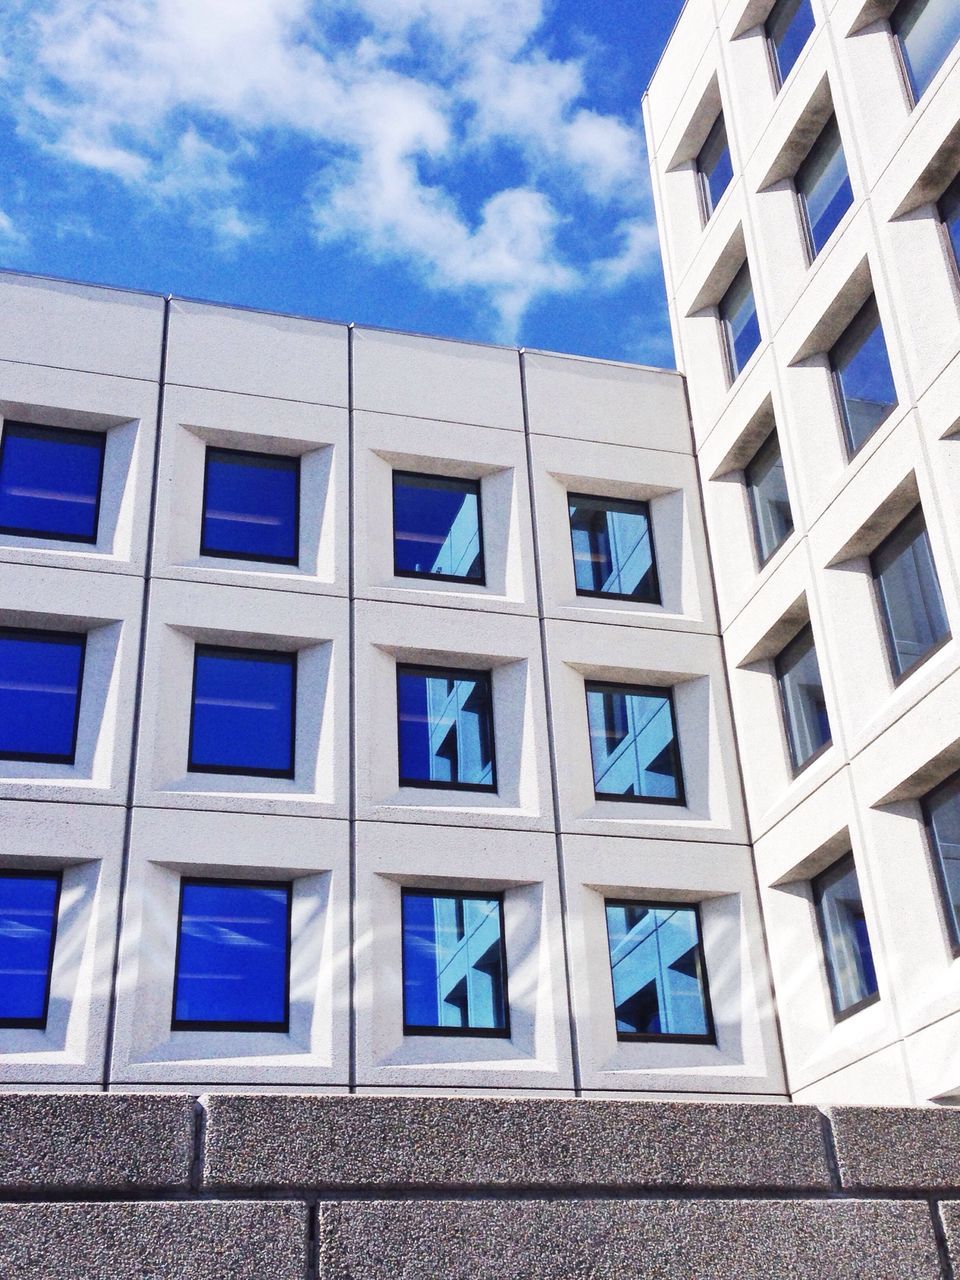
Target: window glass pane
x=633, y=743
x=251, y=506
x=769, y=500
x=738, y=313
x=28, y=926
x=232, y=956
x=801, y=693
x=864, y=380
x=909, y=590
x=823, y=186
x=613, y=548
x=928, y=30
x=436, y=527
x=846, y=943
x=950, y=213
x=445, y=723
x=454, y=974
x=789, y=27
x=656, y=959
x=243, y=712
x=941, y=809
x=40, y=677
x=715, y=165
x=50, y=482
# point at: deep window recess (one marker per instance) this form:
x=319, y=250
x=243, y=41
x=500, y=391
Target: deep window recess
x=41, y=676
x=949, y=208
x=789, y=26
x=454, y=964
x=658, y=970
x=801, y=696
x=29, y=903
x=50, y=481
x=738, y=318
x=445, y=728
x=613, y=552
x=909, y=592
x=823, y=187
x=714, y=166
x=251, y=506
x=437, y=528
x=233, y=956
x=862, y=375
x=941, y=812
x=926, y=32
x=633, y=744
x=846, y=942
x=769, y=499
x=244, y=712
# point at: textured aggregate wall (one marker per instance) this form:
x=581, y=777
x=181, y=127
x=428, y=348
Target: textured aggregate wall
x=284, y=1187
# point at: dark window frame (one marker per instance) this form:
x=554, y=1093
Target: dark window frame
x=474, y=1033
x=764, y=560
x=53, y=637
x=469, y=485
x=450, y=673
x=952, y=783
x=249, y=556
x=638, y=506
x=41, y=431
x=881, y=601
x=38, y=1024
x=195, y=1024
x=277, y=656
x=841, y=399
x=797, y=769
x=816, y=890
x=644, y=690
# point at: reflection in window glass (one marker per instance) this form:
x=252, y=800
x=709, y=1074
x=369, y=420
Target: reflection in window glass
x=941, y=811
x=863, y=377
x=41, y=673
x=50, y=481
x=769, y=500
x=789, y=27
x=659, y=978
x=950, y=213
x=613, y=549
x=909, y=592
x=738, y=316
x=445, y=725
x=28, y=928
x=251, y=506
x=633, y=744
x=454, y=966
x=926, y=30
x=823, y=186
x=436, y=528
x=801, y=695
x=846, y=943
x=715, y=166
x=243, y=712
x=233, y=956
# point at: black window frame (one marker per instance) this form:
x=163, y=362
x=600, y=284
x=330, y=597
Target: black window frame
x=38, y=1024
x=45, y=430
x=751, y=488
x=195, y=1024
x=952, y=783
x=52, y=637
x=468, y=484
x=817, y=893
x=248, y=556
x=628, y=506
x=881, y=600
x=479, y=675
x=277, y=656
x=797, y=769
x=645, y=690
x=835, y=373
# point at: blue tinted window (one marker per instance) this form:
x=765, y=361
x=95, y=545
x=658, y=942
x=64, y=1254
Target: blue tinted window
x=445, y=724
x=28, y=927
x=633, y=743
x=251, y=506
x=454, y=967
x=233, y=956
x=613, y=549
x=659, y=979
x=941, y=811
x=909, y=591
x=927, y=30
x=436, y=528
x=715, y=165
x=950, y=213
x=823, y=186
x=801, y=695
x=863, y=376
x=50, y=482
x=243, y=712
x=738, y=315
x=846, y=943
x=40, y=677
x=789, y=27
x=769, y=499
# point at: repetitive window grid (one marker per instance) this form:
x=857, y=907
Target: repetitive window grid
x=445, y=728
x=941, y=813
x=437, y=528
x=801, y=698
x=633, y=744
x=846, y=943
x=862, y=375
x=613, y=553
x=769, y=499
x=739, y=321
x=41, y=678
x=251, y=506
x=926, y=32
x=244, y=712
x=714, y=166
x=29, y=903
x=823, y=187
x=50, y=482
x=911, y=603
x=789, y=26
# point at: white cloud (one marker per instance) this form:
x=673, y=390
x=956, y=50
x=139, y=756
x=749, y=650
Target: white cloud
x=11, y=237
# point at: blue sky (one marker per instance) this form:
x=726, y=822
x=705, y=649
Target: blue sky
x=472, y=168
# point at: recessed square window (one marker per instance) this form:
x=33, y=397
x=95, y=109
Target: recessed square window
x=926, y=32
x=846, y=942
x=659, y=974
x=941, y=813
x=244, y=712
x=949, y=208
x=862, y=375
x=789, y=26
x=454, y=964
x=50, y=481
x=801, y=696
x=909, y=593
x=233, y=956
x=437, y=528
x=445, y=728
x=251, y=506
x=714, y=166
x=633, y=744
x=41, y=675
x=769, y=499
x=28, y=929
x=613, y=552
x=823, y=187
x=739, y=321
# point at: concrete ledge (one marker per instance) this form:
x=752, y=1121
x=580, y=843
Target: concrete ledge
x=372, y=1142
x=897, y=1147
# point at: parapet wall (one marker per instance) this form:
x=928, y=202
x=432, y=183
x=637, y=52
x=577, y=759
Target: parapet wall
x=285, y=1187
